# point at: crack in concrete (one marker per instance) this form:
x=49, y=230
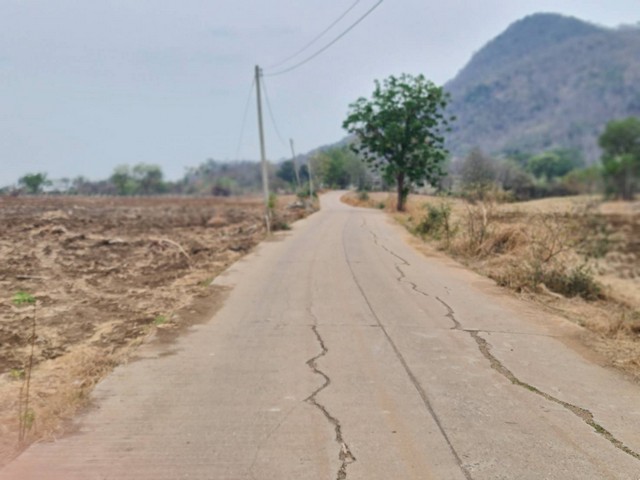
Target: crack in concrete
x=582, y=413
x=485, y=349
x=346, y=456
x=412, y=378
x=403, y=276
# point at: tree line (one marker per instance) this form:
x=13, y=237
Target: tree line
x=398, y=141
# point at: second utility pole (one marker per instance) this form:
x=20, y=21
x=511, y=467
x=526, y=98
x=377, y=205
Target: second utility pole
x=263, y=155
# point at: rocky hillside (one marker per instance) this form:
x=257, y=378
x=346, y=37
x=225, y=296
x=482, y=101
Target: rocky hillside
x=547, y=81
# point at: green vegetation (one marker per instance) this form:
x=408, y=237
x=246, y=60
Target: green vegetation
x=399, y=131
x=340, y=167
x=142, y=179
x=34, y=182
x=555, y=163
x=23, y=298
x=437, y=223
x=16, y=374
x=520, y=176
x=620, y=143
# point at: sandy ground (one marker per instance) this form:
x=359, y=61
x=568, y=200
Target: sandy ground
x=106, y=273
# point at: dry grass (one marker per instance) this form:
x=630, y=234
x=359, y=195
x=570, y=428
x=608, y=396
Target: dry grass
x=576, y=255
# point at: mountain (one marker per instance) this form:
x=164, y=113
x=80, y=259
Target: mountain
x=547, y=81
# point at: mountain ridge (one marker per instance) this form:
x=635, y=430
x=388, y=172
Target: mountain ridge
x=547, y=81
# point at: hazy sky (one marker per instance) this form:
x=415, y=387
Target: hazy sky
x=88, y=85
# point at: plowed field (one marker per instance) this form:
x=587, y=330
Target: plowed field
x=106, y=273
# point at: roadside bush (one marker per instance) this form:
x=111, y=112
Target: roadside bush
x=363, y=196
x=305, y=192
x=436, y=223
x=576, y=282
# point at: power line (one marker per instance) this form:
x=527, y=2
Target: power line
x=244, y=118
x=273, y=120
x=353, y=25
x=315, y=39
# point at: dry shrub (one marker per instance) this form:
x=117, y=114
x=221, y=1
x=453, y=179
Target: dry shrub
x=547, y=261
x=630, y=322
x=615, y=320
x=477, y=226
x=504, y=240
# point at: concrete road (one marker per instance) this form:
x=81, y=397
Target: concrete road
x=343, y=353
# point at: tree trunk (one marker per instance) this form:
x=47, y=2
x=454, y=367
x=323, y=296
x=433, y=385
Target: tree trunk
x=402, y=194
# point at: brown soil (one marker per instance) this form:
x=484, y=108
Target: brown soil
x=603, y=236
x=106, y=272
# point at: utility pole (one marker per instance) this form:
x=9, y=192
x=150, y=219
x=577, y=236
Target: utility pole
x=310, y=179
x=293, y=160
x=263, y=155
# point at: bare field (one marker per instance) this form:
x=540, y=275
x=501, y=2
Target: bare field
x=581, y=244
x=106, y=272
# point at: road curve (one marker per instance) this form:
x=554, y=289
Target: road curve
x=343, y=353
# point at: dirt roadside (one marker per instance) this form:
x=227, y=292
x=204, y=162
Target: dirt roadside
x=106, y=273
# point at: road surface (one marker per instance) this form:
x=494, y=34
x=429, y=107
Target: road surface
x=343, y=353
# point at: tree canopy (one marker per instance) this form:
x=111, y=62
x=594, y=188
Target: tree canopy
x=399, y=131
x=339, y=167
x=620, y=144
x=555, y=163
x=34, y=182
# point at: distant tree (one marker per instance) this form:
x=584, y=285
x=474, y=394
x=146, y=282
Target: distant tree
x=335, y=173
x=584, y=180
x=224, y=186
x=555, y=163
x=286, y=172
x=478, y=172
x=123, y=181
x=515, y=179
x=149, y=178
x=620, y=143
x=338, y=167
x=304, y=173
x=399, y=131
x=34, y=182
x=81, y=186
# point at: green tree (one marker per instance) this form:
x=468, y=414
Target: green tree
x=123, y=181
x=286, y=172
x=400, y=131
x=620, y=144
x=339, y=167
x=34, y=182
x=149, y=178
x=555, y=163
